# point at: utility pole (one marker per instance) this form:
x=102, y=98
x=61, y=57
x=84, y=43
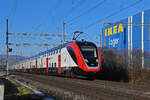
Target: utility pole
x=104, y=33
x=100, y=39
x=97, y=39
x=64, y=32
x=142, y=39
x=7, y=51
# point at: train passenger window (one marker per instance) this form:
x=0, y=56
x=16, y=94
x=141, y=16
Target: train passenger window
x=56, y=51
x=72, y=54
x=55, y=65
x=59, y=50
x=52, y=65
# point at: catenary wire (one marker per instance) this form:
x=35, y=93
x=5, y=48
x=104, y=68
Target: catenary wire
x=113, y=14
x=74, y=8
x=88, y=11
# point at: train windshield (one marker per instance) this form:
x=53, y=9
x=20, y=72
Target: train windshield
x=88, y=51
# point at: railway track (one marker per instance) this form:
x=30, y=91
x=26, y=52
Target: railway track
x=97, y=89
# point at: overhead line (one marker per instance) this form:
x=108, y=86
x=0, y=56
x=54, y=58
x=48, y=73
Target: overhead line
x=113, y=14
x=133, y=4
x=32, y=44
x=13, y=10
x=88, y=11
x=49, y=13
x=74, y=7
x=30, y=34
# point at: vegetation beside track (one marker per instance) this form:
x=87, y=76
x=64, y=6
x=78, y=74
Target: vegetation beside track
x=117, y=67
x=14, y=91
x=139, y=76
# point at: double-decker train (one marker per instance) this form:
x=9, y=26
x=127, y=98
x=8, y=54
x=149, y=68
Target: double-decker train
x=72, y=58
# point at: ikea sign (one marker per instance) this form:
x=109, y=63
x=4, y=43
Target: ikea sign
x=114, y=30
x=112, y=35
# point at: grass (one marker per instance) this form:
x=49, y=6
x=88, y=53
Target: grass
x=139, y=75
x=21, y=89
x=1, y=75
x=15, y=91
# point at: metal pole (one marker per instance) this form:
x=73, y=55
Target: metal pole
x=97, y=39
x=64, y=32
x=7, y=47
x=142, y=39
x=104, y=33
x=100, y=39
x=129, y=50
x=131, y=40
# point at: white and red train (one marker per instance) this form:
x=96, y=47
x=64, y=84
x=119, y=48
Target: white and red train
x=77, y=57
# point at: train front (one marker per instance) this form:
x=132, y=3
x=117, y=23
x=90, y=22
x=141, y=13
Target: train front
x=87, y=57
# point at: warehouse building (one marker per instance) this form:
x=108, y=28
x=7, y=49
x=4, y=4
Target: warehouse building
x=131, y=34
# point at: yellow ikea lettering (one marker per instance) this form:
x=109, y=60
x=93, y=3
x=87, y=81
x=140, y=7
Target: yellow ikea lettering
x=120, y=29
x=109, y=31
x=115, y=29
x=105, y=32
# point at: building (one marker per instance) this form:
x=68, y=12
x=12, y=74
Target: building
x=131, y=34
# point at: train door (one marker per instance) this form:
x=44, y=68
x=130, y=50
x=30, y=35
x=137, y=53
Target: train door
x=47, y=64
x=59, y=63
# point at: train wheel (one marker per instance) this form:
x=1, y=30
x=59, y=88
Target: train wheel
x=73, y=75
x=67, y=74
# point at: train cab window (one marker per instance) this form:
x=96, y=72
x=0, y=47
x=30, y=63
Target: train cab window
x=89, y=51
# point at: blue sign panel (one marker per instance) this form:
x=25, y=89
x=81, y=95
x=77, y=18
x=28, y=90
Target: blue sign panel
x=114, y=35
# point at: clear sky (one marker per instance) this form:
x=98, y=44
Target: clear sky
x=47, y=16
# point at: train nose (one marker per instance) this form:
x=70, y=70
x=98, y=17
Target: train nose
x=91, y=61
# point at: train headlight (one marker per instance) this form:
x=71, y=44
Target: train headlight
x=96, y=60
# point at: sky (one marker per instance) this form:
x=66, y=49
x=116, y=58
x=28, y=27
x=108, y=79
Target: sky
x=47, y=17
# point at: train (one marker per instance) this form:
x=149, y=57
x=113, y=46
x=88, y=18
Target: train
x=76, y=58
